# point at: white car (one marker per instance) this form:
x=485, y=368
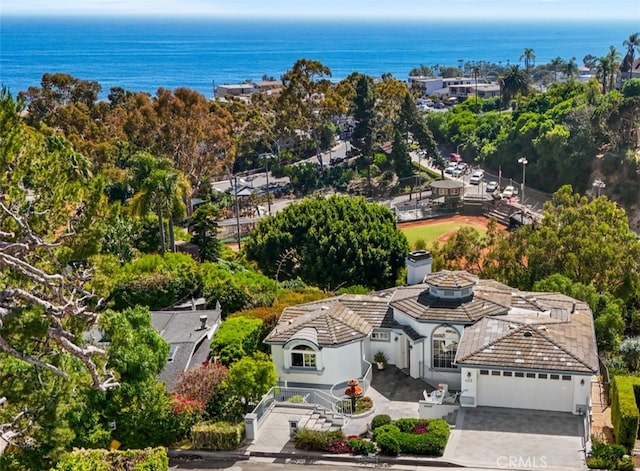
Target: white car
x=492, y=186
x=450, y=168
x=508, y=192
x=477, y=177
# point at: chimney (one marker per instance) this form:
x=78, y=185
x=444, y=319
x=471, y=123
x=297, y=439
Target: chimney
x=418, y=266
x=203, y=323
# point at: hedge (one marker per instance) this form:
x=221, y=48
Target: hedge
x=317, y=440
x=236, y=338
x=412, y=436
x=149, y=459
x=624, y=410
x=220, y=436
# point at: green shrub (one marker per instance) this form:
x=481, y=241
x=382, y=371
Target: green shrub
x=236, y=338
x=297, y=399
x=149, y=459
x=406, y=425
x=362, y=447
x=317, y=440
x=221, y=436
x=624, y=410
x=388, y=443
x=380, y=420
x=388, y=428
x=598, y=463
x=606, y=451
x=363, y=404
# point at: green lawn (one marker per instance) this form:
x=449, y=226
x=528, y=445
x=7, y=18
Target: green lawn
x=431, y=233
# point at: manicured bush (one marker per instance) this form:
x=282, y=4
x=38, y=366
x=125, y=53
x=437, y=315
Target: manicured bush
x=388, y=443
x=385, y=429
x=236, y=338
x=362, y=447
x=598, y=463
x=380, y=420
x=317, y=440
x=624, y=410
x=414, y=436
x=221, y=436
x=605, y=456
x=149, y=459
x=363, y=404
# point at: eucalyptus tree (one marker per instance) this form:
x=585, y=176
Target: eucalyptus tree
x=301, y=107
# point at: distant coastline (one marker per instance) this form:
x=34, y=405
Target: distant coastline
x=145, y=54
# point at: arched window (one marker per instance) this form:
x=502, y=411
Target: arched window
x=303, y=356
x=444, y=346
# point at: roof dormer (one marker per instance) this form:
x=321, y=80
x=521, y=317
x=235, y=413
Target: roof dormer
x=450, y=284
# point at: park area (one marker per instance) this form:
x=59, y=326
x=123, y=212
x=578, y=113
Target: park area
x=440, y=229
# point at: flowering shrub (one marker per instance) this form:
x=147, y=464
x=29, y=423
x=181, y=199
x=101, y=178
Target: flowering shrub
x=185, y=405
x=201, y=383
x=420, y=428
x=339, y=447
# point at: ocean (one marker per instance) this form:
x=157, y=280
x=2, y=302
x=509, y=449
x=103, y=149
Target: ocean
x=145, y=54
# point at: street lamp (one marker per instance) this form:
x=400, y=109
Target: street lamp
x=266, y=158
x=524, y=162
x=598, y=185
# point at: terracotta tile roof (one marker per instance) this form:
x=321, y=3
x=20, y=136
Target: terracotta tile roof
x=427, y=308
x=334, y=323
x=560, y=338
x=451, y=279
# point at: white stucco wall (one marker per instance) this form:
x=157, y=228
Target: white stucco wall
x=524, y=392
x=333, y=365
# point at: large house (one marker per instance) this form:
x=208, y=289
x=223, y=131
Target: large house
x=496, y=345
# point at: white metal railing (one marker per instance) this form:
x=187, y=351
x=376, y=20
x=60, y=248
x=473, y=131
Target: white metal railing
x=314, y=397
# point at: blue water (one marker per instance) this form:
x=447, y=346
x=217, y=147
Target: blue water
x=143, y=55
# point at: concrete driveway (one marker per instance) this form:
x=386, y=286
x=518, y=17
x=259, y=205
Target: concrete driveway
x=500, y=438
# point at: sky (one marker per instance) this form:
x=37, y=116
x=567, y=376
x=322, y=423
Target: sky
x=333, y=9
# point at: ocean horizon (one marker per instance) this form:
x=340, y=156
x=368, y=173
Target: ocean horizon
x=146, y=54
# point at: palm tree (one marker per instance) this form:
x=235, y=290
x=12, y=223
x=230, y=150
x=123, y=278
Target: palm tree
x=603, y=69
x=475, y=73
x=631, y=43
x=609, y=65
x=557, y=64
x=571, y=68
x=514, y=81
x=163, y=190
x=529, y=57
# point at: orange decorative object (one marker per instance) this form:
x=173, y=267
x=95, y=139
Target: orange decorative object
x=353, y=390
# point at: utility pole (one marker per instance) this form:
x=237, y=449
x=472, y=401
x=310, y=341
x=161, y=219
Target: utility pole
x=235, y=191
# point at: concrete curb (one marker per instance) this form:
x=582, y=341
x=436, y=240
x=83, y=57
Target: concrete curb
x=202, y=455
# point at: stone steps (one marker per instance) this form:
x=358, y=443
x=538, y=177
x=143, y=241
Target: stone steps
x=321, y=421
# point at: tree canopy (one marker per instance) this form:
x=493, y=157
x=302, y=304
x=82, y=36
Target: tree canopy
x=330, y=242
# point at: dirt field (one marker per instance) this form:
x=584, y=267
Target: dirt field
x=479, y=222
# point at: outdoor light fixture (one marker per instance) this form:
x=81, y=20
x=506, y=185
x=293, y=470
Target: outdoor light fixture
x=469, y=374
x=582, y=382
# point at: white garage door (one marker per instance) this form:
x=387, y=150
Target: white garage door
x=525, y=390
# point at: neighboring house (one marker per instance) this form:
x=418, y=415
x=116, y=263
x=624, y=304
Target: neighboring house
x=245, y=90
x=189, y=334
x=495, y=344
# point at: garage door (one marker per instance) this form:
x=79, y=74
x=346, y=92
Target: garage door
x=520, y=390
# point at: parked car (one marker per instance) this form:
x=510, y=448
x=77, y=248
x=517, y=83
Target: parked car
x=492, y=186
x=457, y=172
x=450, y=168
x=462, y=166
x=477, y=177
x=336, y=160
x=508, y=192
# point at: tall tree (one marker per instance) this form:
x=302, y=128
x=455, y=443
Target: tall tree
x=475, y=73
x=301, y=105
x=362, y=137
x=44, y=305
x=557, y=64
x=571, y=68
x=631, y=43
x=514, y=81
x=529, y=57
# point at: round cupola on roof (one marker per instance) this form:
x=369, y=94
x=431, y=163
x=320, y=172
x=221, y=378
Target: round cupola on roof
x=447, y=284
